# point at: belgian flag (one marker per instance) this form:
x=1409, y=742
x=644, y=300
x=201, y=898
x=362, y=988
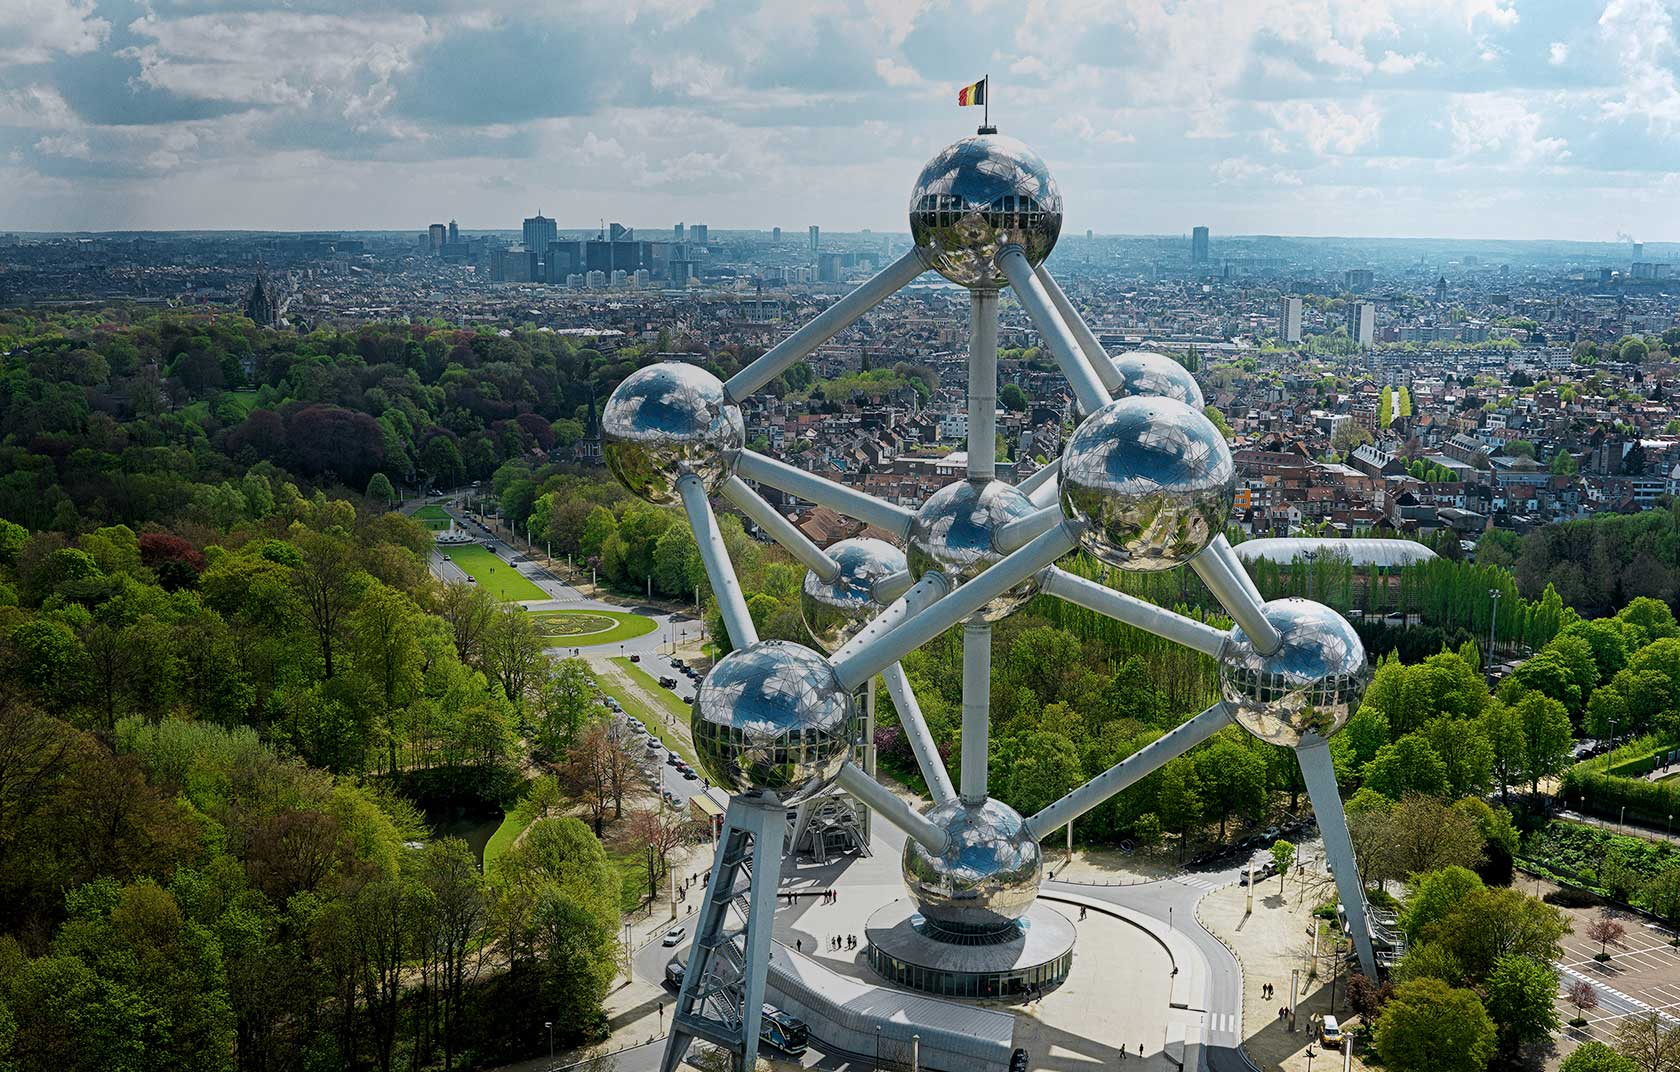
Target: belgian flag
x=974, y=94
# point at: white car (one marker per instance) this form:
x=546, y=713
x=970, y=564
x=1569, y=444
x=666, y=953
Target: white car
x=674, y=935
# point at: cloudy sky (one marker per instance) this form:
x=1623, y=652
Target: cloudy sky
x=1458, y=118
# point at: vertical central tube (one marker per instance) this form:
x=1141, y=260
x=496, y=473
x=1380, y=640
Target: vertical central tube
x=976, y=708
x=982, y=384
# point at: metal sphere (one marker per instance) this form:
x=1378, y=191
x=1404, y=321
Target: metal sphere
x=1145, y=373
x=978, y=196
x=1151, y=478
x=1311, y=684
x=666, y=421
x=835, y=611
x=770, y=720
x=988, y=875
x=952, y=534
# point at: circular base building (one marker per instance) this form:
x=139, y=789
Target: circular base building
x=1017, y=960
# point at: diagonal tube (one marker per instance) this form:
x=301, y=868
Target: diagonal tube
x=931, y=587
x=1133, y=611
x=1313, y=753
x=1046, y=475
x=1101, y=363
x=888, y=806
x=928, y=760
x=859, y=664
x=1088, y=390
x=1128, y=771
x=832, y=494
x=833, y=320
x=1220, y=569
x=725, y=588
x=780, y=529
x=1012, y=534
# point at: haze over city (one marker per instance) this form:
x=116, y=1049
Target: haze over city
x=1469, y=118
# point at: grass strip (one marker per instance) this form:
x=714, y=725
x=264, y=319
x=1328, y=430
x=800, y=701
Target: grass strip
x=495, y=576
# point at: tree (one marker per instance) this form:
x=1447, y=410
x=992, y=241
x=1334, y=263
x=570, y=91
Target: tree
x=1409, y=765
x=1584, y=996
x=1607, y=931
x=565, y=702
x=589, y=771
x=1283, y=858
x=513, y=652
x=440, y=459
x=379, y=490
x=1012, y=398
x=1503, y=728
x=1436, y=895
x=467, y=609
x=1522, y=999
x=1662, y=894
x=1232, y=780
x=449, y=872
x=659, y=831
x=1430, y=1027
x=385, y=629
x=323, y=583
x=1649, y=1043
x=1490, y=924
x=1427, y=834
x=1547, y=737
x=1178, y=799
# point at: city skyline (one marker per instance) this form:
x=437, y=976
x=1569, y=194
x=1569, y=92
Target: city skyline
x=1389, y=118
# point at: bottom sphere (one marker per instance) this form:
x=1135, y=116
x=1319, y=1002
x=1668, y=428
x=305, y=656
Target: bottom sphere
x=987, y=876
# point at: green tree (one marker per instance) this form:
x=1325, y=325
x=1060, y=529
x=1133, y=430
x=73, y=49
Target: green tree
x=1436, y=895
x=1594, y=1056
x=1232, y=779
x=1522, y=999
x=379, y=490
x=1283, y=858
x=565, y=702
x=1546, y=737
x=1428, y=1026
x=440, y=460
x=1409, y=765
x=1012, y=398
x=1502, y=725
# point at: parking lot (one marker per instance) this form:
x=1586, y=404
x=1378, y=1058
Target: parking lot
x=1641, y=977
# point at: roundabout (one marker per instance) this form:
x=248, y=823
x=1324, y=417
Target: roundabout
x=585, y=628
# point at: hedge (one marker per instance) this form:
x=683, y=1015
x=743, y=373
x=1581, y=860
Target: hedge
x=1606, y=794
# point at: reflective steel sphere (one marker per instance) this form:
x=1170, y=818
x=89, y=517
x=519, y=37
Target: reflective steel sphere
x=1153, y=480
x=952, y=534
x=1312, y=683
x=668, y=420
x=1146, y=373
x=770, y=720
x=986, y=878
x=834, y=611
x=978, y=196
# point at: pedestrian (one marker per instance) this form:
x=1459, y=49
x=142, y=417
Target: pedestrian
x=1081, y=911
x=798, y=946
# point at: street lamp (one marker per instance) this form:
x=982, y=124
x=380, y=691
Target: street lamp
x=1309, y=556
x=1310, y=1056
x=549, y=1024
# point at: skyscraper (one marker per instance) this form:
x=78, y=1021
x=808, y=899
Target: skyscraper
x=1441, y=290
x=1199, y=246
x=1289, y=320
x=438, y=235
x=699, y=234
x=1358, y=280
x=539, y=232
x=776, y=235
x=1362, y=323
x=816, y=239
x=677, y=233
x=454, y=233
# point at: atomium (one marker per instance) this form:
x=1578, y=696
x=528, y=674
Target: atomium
x=1145, y=373
x=834, y=611
x=955, y=533
x=1311, y=684
x=988, y=874
x=975, y=198
x=770, y=721
x=1151, y=478
x=667, y=421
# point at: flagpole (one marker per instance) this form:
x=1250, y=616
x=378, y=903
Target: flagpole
x=986, y=99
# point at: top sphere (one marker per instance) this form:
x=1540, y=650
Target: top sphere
x=1311, y=684
x=665, y=422
x=1143, y=372
x=837, y=610
x=978, y=196
x=772, y=721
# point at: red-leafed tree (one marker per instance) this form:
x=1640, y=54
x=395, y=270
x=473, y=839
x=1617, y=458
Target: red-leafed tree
x=176, y=562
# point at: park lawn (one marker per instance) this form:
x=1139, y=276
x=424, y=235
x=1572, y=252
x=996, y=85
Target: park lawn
x=514, y=822
x=667, y=699
x=492, y=574
x=551, y=626
x=433, y=517
x=653, y=719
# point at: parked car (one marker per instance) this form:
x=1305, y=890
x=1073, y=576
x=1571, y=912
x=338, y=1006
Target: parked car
x=674, y=973
x=1330, y=1033
x=653, y=744
x=635, y=658
x=674, y=935
x=668, y=683
x=673, y=760
x=689, y=775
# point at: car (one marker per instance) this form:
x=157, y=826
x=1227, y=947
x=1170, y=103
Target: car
x=673, y=760
x=689, y=775
x=1270, y=836
x=653, y=744
x=674, y=973
x=635, y=658
x=1330, y=1033
x=471, y=579
x=673, y=936
x=678, y=663
x=668, y=683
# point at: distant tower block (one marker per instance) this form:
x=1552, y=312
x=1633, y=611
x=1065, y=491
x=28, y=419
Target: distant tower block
x=1289, y=320
x=1199, y=246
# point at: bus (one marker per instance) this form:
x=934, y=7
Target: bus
x=785, y=1033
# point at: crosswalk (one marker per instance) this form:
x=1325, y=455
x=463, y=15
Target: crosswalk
x=1222, y=1026
x=1200, y=883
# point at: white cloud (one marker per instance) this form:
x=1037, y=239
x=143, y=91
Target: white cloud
x=1558, y=54
x=1330, y=128
x=1240, y=170
x=68, y=145
x=1501, y=126
x=896, y=74
x=1641, y=34
x=36, y=107
x=1394, y=63
x=32, y=30
x=1080, y=126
